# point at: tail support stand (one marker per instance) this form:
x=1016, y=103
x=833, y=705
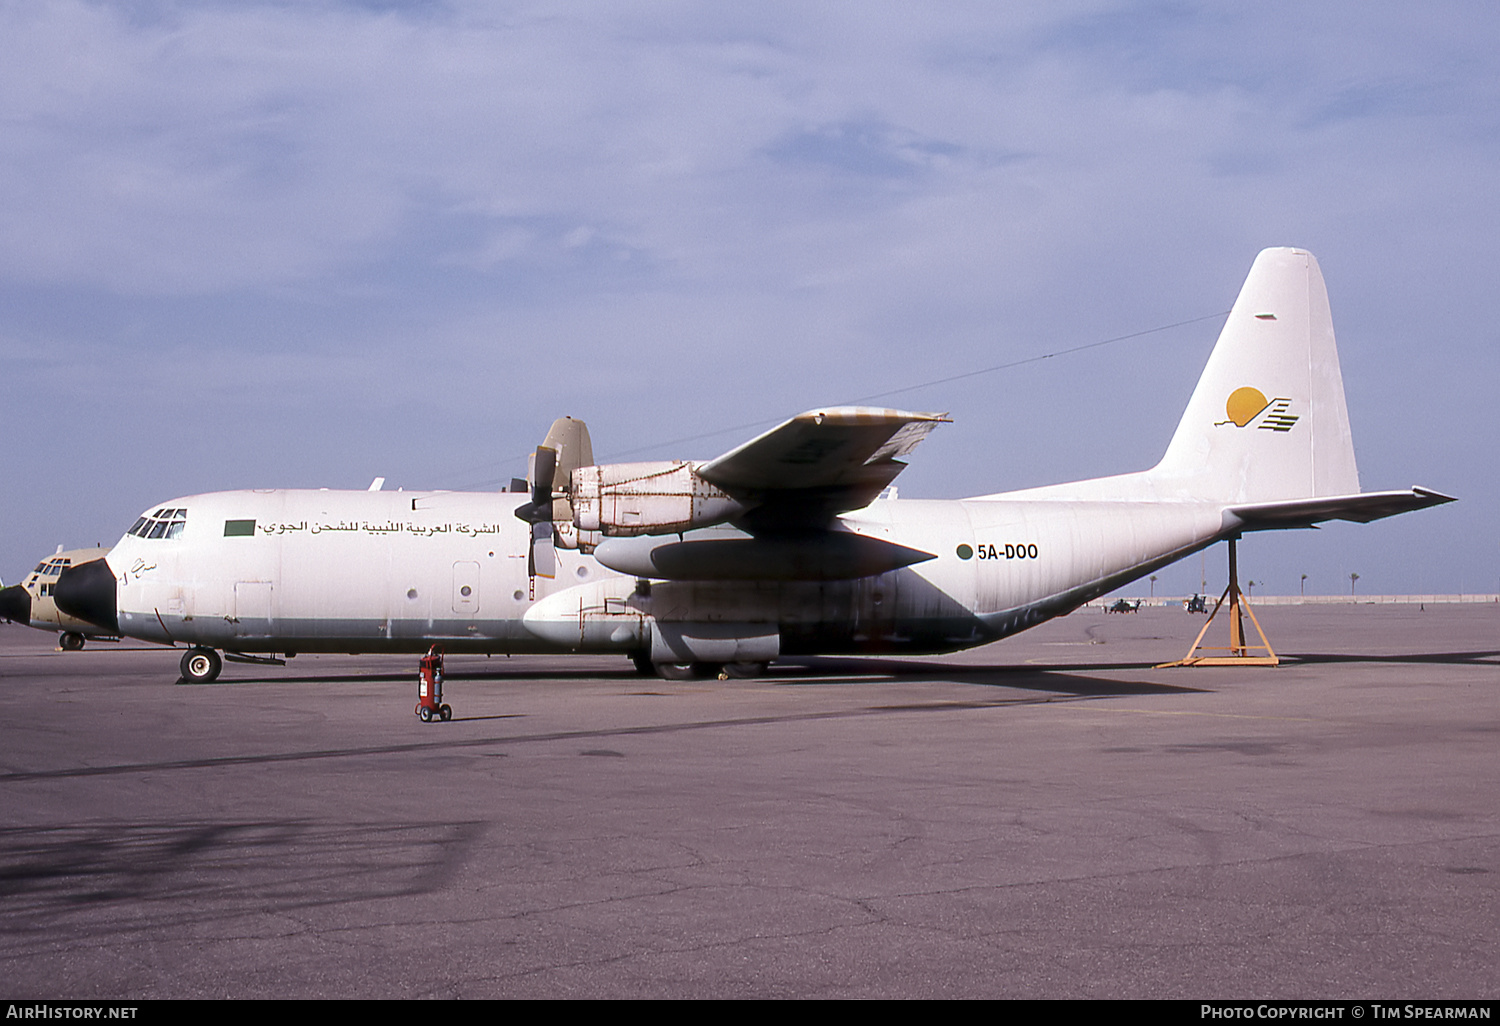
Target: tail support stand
x=1239, y=651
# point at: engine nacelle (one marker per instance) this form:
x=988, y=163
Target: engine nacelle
x=664, y=497
x=566, y=535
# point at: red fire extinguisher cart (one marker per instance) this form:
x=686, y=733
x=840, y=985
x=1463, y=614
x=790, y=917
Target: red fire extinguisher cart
x=430, y=687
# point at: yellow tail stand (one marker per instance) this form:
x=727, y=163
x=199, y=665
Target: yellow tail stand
x=1239, y=652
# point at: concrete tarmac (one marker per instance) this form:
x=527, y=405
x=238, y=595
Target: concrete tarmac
x=1045, y=817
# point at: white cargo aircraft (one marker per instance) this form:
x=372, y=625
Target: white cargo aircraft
x=779, y=547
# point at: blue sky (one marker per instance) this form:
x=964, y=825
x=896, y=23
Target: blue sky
x=299, y=245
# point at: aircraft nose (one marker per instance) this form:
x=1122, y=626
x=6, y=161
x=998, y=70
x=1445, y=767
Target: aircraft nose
x=15, y=604
x=87, y=591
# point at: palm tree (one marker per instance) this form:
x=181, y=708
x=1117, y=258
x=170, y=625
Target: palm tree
x=1304, y=586
x=1352, y=579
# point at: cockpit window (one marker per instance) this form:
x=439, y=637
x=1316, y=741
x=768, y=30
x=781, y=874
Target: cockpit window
x=164, y=523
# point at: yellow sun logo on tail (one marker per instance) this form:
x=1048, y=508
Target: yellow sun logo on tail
x=1246, y=404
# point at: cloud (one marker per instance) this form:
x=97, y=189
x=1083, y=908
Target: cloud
x=669, y=216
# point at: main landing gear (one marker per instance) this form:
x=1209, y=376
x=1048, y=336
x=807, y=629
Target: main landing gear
x=740, y=670
x=201, y=666
x=430, y=704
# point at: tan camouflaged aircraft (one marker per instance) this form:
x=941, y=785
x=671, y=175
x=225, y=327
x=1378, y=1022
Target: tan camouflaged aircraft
x=31, y=602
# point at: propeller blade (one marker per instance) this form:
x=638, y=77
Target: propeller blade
x=546, y=470
x=541, y=552
x=541, y=559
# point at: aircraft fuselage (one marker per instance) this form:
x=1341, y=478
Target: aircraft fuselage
x=307, y=571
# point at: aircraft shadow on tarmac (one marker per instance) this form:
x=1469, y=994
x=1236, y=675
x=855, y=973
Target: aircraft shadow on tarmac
x=1069, y=678
x=1483, y=658
x=832, y=671
x=52, y=876
x=820, y=671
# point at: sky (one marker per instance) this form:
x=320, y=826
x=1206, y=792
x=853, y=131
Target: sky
x=307, y=244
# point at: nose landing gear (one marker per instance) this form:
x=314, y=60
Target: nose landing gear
x=201, y=666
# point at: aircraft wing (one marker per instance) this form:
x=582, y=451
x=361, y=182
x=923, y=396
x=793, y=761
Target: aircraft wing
x=842, y=447
x=1361, y=508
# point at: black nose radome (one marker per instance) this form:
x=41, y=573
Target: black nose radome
x=87, y=591
x=15, y=604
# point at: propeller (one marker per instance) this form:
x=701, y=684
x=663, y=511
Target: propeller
x=541, y=553
x=566, y=448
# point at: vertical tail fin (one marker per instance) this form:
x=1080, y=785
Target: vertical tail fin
x=574, y=447
x=1267, y=421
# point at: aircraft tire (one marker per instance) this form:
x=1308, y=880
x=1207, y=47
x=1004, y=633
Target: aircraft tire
x=201, y=666
x=675, y=671
x=746, y=670
x=642, y=663
x=71, y=641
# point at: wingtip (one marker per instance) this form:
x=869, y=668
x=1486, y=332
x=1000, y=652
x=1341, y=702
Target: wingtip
x=869, y=414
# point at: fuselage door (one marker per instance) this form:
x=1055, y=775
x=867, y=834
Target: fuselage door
x=252, y=609
x=466, y=588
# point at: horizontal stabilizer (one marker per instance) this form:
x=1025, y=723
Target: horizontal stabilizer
x=1360, y=509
